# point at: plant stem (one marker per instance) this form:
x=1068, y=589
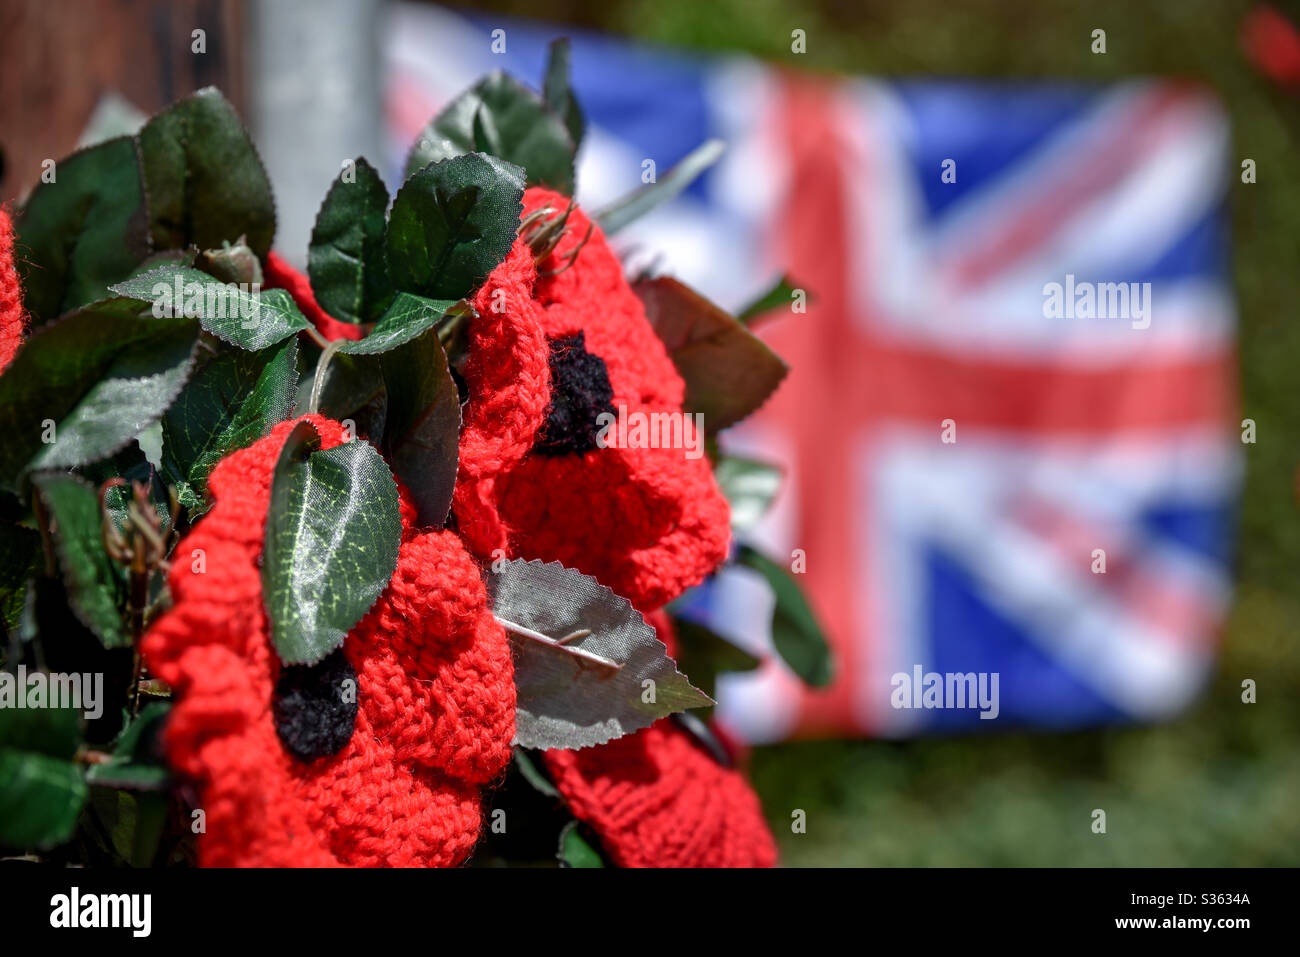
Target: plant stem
x=318, y=380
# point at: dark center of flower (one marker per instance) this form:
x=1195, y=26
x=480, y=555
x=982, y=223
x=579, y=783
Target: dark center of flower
x=580, y=391
x=315, y=706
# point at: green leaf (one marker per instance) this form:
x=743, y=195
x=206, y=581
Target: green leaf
x=19, y=548
x=729, y=372
x=407, y=319
x=244, y=317
x=750, y=487
x=345, y=260
x=502, y=117
x=452, y=223
x=40, y=801
x=795, y=633
x=83, y=231
x=422, y=431
x=100, y=375
x=533, y=774
x=95, y=583
x=704, y=654
x=641, y=201
x=53, y=732
x=575, y=850
x=137, y=758
x=590, y=689
x=231, y=401
x=133, y=822
x=332, y=535
x=780, y=295
x=557, y=92
x=205, y=180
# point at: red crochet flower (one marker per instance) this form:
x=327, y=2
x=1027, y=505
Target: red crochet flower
x=548, y=354
x=288, y=772
x=13, y=321
x=658, y=799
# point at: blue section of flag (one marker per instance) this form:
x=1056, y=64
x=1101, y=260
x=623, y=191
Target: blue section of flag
x=952, y=121
x=1208, y=529
x=968, y=635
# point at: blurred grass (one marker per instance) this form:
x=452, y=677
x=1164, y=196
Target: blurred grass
x=1219, y=786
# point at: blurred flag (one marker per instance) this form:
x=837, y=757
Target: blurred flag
x=1011, y=425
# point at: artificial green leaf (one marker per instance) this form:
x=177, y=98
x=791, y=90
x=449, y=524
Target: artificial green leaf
x=82, y=387
x=422, y=433
x=502, y=117
x=452, y=223
x=798, y=637
x=95, y=583
x=345, y=260
x=19, y=548
x=205, y=181
x=332, y=535
x=53, y=732
x=729, y=372
x=239, y=314
x=55, y=636
x=750, y=487
x=641, y=201
x=232, y=400
x=593, y=686
x=557, y=91
x=780, y=295
x=86, y=229
x=407, y=319
x=40, y=801
x=137, y=761
x=704, y=654
x=133, y=821
x=533, y=774
x=575, y=850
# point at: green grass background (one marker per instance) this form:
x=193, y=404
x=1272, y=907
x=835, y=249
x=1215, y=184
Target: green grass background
x=1220, y=786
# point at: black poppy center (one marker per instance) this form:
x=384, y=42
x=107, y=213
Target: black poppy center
x=315, y=706
x=580, y=392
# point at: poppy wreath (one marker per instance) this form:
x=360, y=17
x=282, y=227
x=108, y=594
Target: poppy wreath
x=330, y=535
x=290, y=771
x=654, y=798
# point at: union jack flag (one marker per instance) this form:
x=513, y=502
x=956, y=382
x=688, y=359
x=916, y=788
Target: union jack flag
x=979, y=485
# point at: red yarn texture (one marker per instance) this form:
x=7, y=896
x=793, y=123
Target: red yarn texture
x=435, y=689
x=657, y=799
x=648, y=523
x=509, y=384
x=13, y=320
x=280, y=275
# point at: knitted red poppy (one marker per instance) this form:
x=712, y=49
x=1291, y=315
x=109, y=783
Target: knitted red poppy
x=13, y=321
x=658, y=799
x=288, y=772
x=549, y=354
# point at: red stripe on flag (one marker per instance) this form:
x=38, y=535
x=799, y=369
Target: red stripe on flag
x=812, y=238
x=914, y=384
